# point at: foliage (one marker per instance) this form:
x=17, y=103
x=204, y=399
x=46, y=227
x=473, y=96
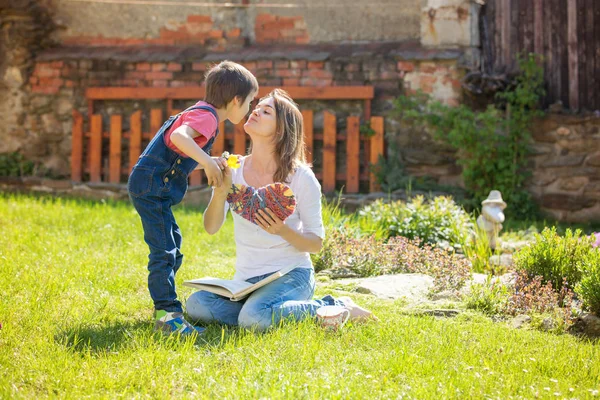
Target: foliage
x=589, y=287
x=531, y=296
x=449, y=271
x=556, y=259
x=492, y=144
x=439, y=221
x=489, y=297
x=15, y=165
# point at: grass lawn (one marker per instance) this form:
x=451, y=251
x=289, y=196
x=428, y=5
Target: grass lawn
x=76, y=322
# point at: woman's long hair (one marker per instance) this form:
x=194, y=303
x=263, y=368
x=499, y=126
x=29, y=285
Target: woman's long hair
x=289, y=135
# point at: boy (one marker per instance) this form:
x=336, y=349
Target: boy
x=159, y=180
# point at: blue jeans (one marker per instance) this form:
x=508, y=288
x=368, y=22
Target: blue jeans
x=289, y=297
x=157, y=182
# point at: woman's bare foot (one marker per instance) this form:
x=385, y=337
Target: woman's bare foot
x=357, y=313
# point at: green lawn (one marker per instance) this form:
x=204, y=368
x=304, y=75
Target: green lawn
x=76, y=322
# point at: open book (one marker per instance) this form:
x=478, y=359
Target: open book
x=235, y=290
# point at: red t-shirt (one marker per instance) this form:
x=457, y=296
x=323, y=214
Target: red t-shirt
x=202, y=121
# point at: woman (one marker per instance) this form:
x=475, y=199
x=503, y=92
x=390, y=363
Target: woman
x=277, y=155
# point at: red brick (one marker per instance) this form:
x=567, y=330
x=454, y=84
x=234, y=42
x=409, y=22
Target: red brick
x=282, y=64
x=234, y=33
x=56, y=64
x=316, y=64
x=50, y=82
x=215, y=34
x=33, y=80
x=174, y=67
x=143, y=67
x=291, y=82
x=288, y=73
x=278, y=25
x=303, y=40
x=199, y=66
x=198, y=19
x=262, y=18
x=46, y=71
x=178, y=83
x=160, y=83
x=69, y=84
x=159, y=67
x=406, y=66
x=298, y=64
x=427, y=67
x=45, y=89
x=264, y=64
x=159, y=75
x=251, y=65
x=317, y=73
x=135, y=75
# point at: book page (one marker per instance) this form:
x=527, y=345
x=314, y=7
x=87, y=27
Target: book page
x=231, y=285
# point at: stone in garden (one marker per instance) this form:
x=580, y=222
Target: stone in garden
x=520, y=320
x=413, y=287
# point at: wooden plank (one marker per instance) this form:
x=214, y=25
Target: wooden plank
x=538, y=27
x=352, y=154
x=156, y=120
x=581, y=54
x=329, y=144
x=307, y=116
x=505, y=6
x=239, y=139
x=219, y=144
x=77, y=146
x=95, y=148
x=196, y=178
x=194, y=92
x=573, y=56
x=593, y=42
x=377, y=148
x=135, y=138
x=114, y=160
x=595, y=101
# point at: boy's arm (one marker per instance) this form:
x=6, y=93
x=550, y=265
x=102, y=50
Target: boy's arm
x=183, y=138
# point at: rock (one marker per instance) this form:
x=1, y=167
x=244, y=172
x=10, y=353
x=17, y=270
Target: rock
x=586, y=324
x=503, y=260
x=520, y=320
x=439, y=312
x=413, y=287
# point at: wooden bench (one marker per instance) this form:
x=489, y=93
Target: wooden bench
x=373, y=146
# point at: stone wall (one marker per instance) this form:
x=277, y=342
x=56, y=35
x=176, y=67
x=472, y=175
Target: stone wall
x=566, y=167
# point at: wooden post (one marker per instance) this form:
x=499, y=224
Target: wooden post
x=114, y=160
x=135, y=138
x=96, y=148
x=219, y=144
x=307, y=116
x=76, y=146
x=329, y=142
x=156, y=121
x=376, y=149
x=352, y=154
x=239, y=139
x=538, y=27
x=573, y=55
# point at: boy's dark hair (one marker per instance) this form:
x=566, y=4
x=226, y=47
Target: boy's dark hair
x=228, y=80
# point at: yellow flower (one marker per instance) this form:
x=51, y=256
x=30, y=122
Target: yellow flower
x=233, y=161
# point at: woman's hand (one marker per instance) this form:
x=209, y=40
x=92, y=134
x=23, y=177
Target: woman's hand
x=225, y=188
x=267, y=220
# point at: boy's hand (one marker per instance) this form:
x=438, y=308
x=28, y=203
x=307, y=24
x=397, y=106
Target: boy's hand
x=213, y=172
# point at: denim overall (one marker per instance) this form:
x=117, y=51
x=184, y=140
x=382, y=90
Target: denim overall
x=158, y=181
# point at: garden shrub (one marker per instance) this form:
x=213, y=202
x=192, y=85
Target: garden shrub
x=489, y=297
x=440, y=221
x=589, y=287
x=556, y=259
